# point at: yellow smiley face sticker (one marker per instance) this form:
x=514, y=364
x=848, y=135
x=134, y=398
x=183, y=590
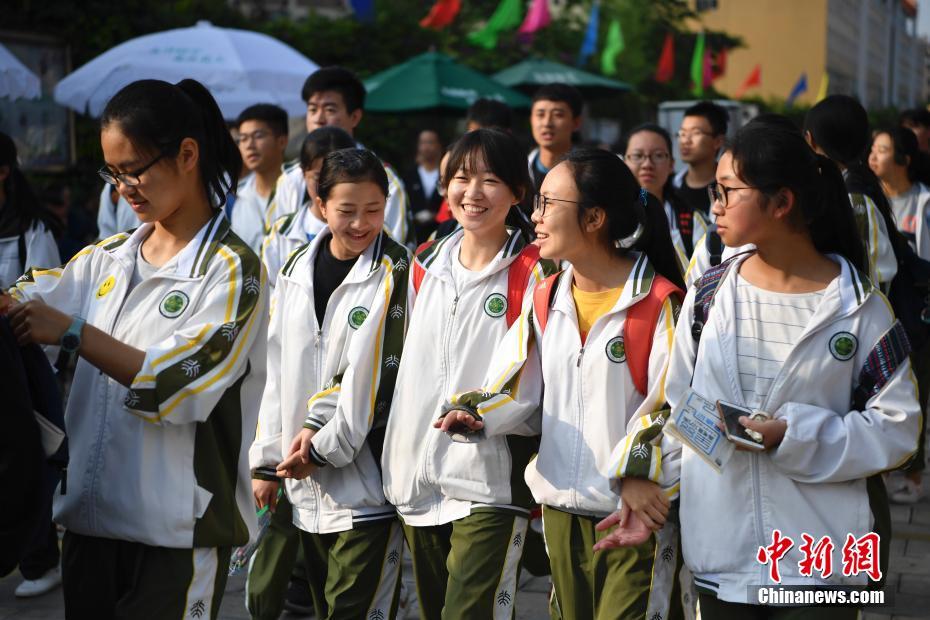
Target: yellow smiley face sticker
x=106, y=287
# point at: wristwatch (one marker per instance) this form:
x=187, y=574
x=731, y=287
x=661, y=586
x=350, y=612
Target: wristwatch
x=71, y=339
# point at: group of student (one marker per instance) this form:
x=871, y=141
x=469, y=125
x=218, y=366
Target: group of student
x=528, y=356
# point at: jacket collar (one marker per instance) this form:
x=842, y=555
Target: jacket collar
x=638, y=284
x=437, y=258
x=191, y=262
x=300, y=268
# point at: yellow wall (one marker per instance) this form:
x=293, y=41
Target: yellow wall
x=787, y=37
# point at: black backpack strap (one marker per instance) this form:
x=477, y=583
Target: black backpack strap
x=883, y=360
x=21, y=248
x=714, y=247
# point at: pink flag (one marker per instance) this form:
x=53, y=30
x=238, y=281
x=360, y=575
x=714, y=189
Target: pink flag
x=536, y=18
x=708, y=73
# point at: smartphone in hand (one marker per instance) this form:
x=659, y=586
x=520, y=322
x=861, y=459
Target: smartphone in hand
x=736, y=432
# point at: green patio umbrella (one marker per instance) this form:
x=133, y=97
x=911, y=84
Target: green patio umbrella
x=535, y=72
x=433, y=81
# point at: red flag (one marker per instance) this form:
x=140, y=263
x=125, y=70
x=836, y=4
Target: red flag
x=707, y=69
x=719, y=65
x=665, y=70
x=442, y=14
x=753, y=79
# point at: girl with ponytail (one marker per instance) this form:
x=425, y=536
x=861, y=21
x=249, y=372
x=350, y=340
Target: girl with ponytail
x=25, y=226
x=464, y=506
x=793, y=333
x=590, y=353
x=168, y=322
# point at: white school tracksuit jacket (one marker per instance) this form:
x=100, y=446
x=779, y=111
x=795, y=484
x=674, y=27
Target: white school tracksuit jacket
x=452, y=335
x=164, y=462
x=286, y=236
x=586, y=392
x=815, y=481
x=346, y=369
x=291, y=189
x=41, y=251
x=882, y=262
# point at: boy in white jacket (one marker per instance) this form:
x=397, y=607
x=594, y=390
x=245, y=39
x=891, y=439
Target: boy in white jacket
x=349, y=286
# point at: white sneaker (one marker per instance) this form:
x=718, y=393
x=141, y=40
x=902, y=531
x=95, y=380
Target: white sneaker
x=37, y=587
x=908, y=493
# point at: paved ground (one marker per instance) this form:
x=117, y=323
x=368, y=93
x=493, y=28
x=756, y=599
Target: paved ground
x=908, y=585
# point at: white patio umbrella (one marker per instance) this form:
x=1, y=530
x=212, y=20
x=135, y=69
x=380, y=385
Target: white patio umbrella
x=239, y=67
x=16, y=80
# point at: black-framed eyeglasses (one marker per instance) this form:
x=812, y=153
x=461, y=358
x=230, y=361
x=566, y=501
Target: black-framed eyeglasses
x=720, y=193
x=130, y=179
x=540, y=203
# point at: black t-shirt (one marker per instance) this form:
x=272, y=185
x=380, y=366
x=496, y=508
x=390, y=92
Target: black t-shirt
x=328, y=274
x=695, y=198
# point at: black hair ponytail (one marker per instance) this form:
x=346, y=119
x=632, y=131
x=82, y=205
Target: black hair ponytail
x=771, y=157
x=20, y=197
x=156, y=116
x=635, y=218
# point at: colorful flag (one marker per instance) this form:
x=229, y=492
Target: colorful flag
x=697, y=67
x=707, y=70
x=799, y=87
x=442, y=14
x=753, y=79
x=824, y=89
x=589, y=45
x=507, y=15
x=665, y=70
x=536, y=18
x=364, y=10
x=718, y=64
x=612, y=48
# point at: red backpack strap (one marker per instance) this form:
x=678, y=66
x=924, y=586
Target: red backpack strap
x=542, y=299
x=418, y=271
x=517, y=275
x=639, y=329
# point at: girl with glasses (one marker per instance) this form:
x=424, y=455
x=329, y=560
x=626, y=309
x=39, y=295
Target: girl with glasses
x=169, y=322
x=648, y=153
x=464, y=505
x=591, y=353
x=795, y=332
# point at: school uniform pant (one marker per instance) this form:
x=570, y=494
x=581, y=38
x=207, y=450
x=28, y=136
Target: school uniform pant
x=468, y=568
x=356, y=573
x=713, y=608
x=626, y=583
x=277, y=560
x=106, y=578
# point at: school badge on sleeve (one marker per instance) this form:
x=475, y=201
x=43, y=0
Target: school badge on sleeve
x=843, y=346
x=173, y=304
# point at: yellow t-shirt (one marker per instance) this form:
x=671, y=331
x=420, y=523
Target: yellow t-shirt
x=592, y=306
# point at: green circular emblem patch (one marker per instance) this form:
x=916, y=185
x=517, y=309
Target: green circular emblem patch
x=357, y=316
x=616, y=352
x=843, y=346
x=173, y=304
x=495, y=305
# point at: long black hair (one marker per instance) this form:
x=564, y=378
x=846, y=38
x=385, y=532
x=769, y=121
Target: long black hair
x=504, y=157
x=604, y=181
x=771, y=157
x=156, y=116
x=24, y=207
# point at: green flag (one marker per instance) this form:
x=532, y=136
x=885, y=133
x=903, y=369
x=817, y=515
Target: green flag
x=697, y=67
x=612, y=48
x=507, y=16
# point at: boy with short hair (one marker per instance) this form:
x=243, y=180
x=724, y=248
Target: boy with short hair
x=488, y=114
x=702, y=132
x=554, y=117
x=262, y=139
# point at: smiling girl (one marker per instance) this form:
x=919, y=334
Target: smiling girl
x=169, y=323
x=464, y=505
x=336, y=334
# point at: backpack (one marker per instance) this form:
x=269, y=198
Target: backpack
x=890, y=352
x=517, y=275
x=638, y=328
x=33, y=422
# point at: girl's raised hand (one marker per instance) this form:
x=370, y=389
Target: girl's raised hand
x=37, y=322
x=458, y=421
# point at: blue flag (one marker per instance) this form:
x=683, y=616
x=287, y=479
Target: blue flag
x=589, y=45
x=364, y=10
x=800, y=87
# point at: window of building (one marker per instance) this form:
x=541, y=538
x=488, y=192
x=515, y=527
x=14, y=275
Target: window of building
x=705, y=5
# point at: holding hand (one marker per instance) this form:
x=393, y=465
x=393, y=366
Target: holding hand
x=297, y=464
x=6, y=302
x=458, y=421
x=266, y=494
x=772, y=430
x=36, y=322
x=646, y=500
x=631, y=531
